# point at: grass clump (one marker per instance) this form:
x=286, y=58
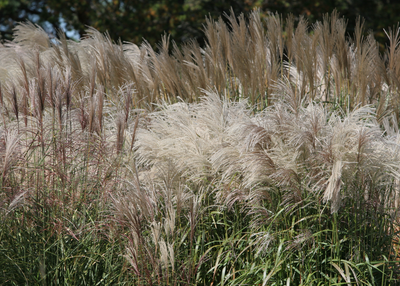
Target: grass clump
x=270, y=156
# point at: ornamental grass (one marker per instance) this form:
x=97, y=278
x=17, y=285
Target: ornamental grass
x=270, y=156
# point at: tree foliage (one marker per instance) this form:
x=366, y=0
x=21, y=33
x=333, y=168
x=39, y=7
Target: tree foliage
x=133, y=20
x=130, y=20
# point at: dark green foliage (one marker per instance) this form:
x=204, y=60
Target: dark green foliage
x=135, y=20
x=49, y=249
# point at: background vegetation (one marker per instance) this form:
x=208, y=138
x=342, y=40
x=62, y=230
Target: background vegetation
x=135, y=20
x=268, y=156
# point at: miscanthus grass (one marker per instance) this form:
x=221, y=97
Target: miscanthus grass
x=268, y=157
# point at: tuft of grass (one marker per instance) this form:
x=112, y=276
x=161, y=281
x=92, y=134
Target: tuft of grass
x=269, y=156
